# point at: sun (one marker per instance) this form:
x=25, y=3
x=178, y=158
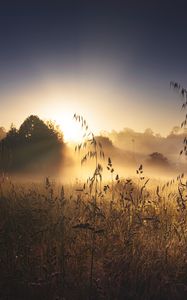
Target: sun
x=71, y=129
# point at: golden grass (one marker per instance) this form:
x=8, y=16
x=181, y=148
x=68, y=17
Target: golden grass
x=140, y=241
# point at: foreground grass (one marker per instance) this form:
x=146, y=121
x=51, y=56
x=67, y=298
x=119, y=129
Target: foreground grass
x=138, y=239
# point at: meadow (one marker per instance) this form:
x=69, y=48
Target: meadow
x=98, y=211
x=111, y=237
x=124, y=239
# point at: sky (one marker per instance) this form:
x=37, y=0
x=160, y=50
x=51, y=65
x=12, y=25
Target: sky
x=110, y=61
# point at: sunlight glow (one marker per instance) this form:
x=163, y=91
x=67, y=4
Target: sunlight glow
x=71, y=129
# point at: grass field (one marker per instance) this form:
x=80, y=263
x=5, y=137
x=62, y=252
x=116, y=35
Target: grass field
x=125, y=240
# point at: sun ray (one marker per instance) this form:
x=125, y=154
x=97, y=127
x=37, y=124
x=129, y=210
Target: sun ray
x=71, y=130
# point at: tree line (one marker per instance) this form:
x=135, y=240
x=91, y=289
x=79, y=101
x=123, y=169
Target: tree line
x=37, y=146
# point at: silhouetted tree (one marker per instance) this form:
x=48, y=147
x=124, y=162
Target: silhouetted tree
x=159, y=159
x=36, y=146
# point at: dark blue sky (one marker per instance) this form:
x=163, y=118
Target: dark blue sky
x=152, y=32
x=143, y=42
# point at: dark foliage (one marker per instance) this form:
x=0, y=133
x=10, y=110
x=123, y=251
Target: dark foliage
x=158, y=159
x=35, y=147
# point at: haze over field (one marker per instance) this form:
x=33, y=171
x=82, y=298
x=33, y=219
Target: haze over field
x=93, y=150
x=127, y=149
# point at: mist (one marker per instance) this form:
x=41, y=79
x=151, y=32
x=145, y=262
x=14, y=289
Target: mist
x=129, y=149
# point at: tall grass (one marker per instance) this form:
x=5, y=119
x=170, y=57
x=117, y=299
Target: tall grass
x=53, y=248
x=121, y=239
